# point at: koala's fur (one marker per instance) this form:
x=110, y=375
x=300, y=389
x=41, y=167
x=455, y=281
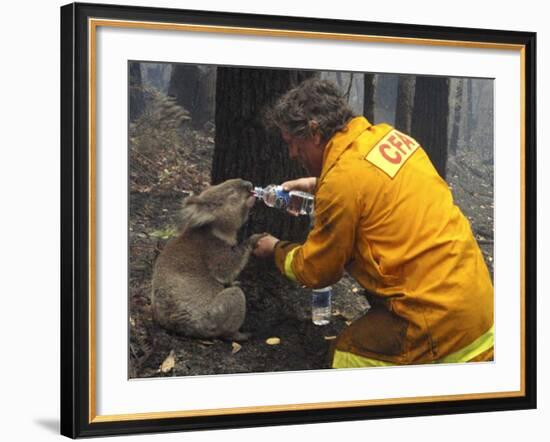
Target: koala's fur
x=194, y=291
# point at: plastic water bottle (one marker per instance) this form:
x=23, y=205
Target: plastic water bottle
x=321, y=305
x=294, y=202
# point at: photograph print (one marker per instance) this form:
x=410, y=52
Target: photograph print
x=284, y=220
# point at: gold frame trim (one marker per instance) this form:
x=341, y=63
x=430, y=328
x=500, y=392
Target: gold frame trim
x=93, y=24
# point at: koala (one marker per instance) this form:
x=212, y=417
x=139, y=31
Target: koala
x=194, y=288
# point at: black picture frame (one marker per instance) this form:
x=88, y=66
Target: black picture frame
x=77, y=416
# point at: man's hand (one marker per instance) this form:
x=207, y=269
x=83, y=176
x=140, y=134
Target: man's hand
x=253, y=239
x=303, y=184
x=265, y=247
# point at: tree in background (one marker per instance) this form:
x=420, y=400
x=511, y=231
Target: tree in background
x=245, y=149
x=156, y=75
x=368, y=96
x=456, y=112
x=137, y=101
x=430, y=118
x=471, y=116
x=193, y=87
x=405, y=102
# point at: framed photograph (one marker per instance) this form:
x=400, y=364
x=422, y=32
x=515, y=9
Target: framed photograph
x=179, y=313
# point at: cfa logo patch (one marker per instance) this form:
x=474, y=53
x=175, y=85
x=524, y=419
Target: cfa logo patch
x=392, y=152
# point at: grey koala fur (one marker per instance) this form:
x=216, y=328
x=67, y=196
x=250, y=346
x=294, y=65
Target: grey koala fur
x=194, y=289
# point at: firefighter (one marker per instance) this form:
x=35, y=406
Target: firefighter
x=384, y=215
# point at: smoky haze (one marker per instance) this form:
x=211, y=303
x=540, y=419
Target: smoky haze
x=470, y=117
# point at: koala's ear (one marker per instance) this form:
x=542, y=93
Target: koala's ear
x=195, y=213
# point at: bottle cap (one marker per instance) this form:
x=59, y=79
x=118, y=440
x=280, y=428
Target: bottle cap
x=323, y=289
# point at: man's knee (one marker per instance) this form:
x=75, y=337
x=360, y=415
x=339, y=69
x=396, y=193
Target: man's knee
x=379, y=335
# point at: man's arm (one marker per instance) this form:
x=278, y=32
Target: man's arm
x=321, y=260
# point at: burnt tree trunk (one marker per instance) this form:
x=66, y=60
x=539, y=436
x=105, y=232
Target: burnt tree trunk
x=486, y=120
x=430, y=118
x=466, y=117
x=245, y=149
x=193, y=86
x=137, y=101
x=340, y=80
x=368, y=96
x=405, y=102
x=471, y=120
x=457, y=116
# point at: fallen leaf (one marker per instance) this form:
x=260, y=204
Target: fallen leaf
x=329, y=338
x=236, y=347
x=169, y=363
x=273, y=341
x=348, y=322
x=206, y=342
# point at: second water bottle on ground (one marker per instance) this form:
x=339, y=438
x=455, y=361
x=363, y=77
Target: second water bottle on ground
x=321, y=305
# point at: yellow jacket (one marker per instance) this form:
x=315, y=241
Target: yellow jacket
x=383, y=214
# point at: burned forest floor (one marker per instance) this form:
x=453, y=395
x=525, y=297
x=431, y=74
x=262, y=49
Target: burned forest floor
x=160, y=179
x=470, y=179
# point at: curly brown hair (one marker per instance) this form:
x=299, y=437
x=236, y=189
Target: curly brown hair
x=313, y=100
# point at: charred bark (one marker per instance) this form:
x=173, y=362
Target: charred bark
x=457, y=115
x=193, y=86
x=368, y=97
x=430, y=118
x=137, y=101
x=405, y=102
x=245, y=149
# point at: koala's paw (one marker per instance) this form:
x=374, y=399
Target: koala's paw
x=253, y=239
